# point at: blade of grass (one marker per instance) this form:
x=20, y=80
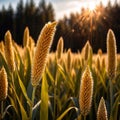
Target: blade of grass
x=24, y=90
x=23, y=112
x=65, y=112
x=44, y=99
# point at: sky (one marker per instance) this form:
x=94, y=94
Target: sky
x=61, y=7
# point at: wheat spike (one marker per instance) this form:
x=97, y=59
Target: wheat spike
x=9, y=53
x=26, y=37
x=43, y=45
x=102, y=112
x=99, y=52
x=98, y=67
x=86, y=51
x=3, y=84
x=2, y=47
x=111, y=54
x=31, y=43
x=69, y=60
x=86, y=92
x=103, y=65
x=60, y=48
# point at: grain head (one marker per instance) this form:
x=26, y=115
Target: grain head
x=42, y=49
x=102, y=112
x=86, y=92
x=3, y=84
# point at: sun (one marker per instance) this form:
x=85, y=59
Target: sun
x=92, y=6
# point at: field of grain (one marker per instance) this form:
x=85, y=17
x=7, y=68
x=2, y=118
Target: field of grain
x=38, y=85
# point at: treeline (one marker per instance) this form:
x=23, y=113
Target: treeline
x=25, y=15
x=75, y=30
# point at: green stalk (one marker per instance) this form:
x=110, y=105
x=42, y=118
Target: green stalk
x=85, y=117
x=55, y=85
x=33, y=97
x=111, y=93
x=1, y=109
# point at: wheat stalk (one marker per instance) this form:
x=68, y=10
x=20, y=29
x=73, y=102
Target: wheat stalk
x=3, y=84
x=69, y=60
x=111, y=54
x=112, y=61
x=86, y=92
x=43, y=45
x=9, y=52
x=102, y=112
x=26, y=37
x=60, y=48
x=86, y=51
x=2, y=47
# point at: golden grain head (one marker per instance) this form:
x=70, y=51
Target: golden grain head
x=111, y=54
x=60, y=48
x=2, y=47
x=9, y=53
x=86, y=50
x=86, y=92
x=31, y=43
x=99, y=52
x=98, y=66
x=42, y=49
x=26, y=37
x=102, y=112
x=103, y=65
x=3, y=84
x=69, y=60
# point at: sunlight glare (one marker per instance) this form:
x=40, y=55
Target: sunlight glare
x=92, y=6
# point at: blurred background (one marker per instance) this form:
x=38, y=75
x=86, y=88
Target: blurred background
x=78, y=21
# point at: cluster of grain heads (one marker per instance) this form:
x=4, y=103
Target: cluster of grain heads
x=111, y=54
x=43, y=45
x=3, y=84
x=26, y=37
x=60, y=48
x=86, y=92
x=9, y=52
x=102, y=111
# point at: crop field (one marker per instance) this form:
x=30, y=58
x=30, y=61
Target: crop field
x=36, y=84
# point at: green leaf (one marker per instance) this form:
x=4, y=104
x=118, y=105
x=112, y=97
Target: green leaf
x=23, y=112
x=44, y=99
x=28, y=66
x=49, y=74
x=4, y=63
x=114, y=110
x=21, y=71
x=65, y=112
x=13, y=104
x=24, y=90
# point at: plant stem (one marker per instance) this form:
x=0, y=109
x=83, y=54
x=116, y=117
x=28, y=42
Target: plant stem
x=33, y=97
x=1, y=109
x=84, y=117
x=55, y=86
x=111, y=93
x=54, y=99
